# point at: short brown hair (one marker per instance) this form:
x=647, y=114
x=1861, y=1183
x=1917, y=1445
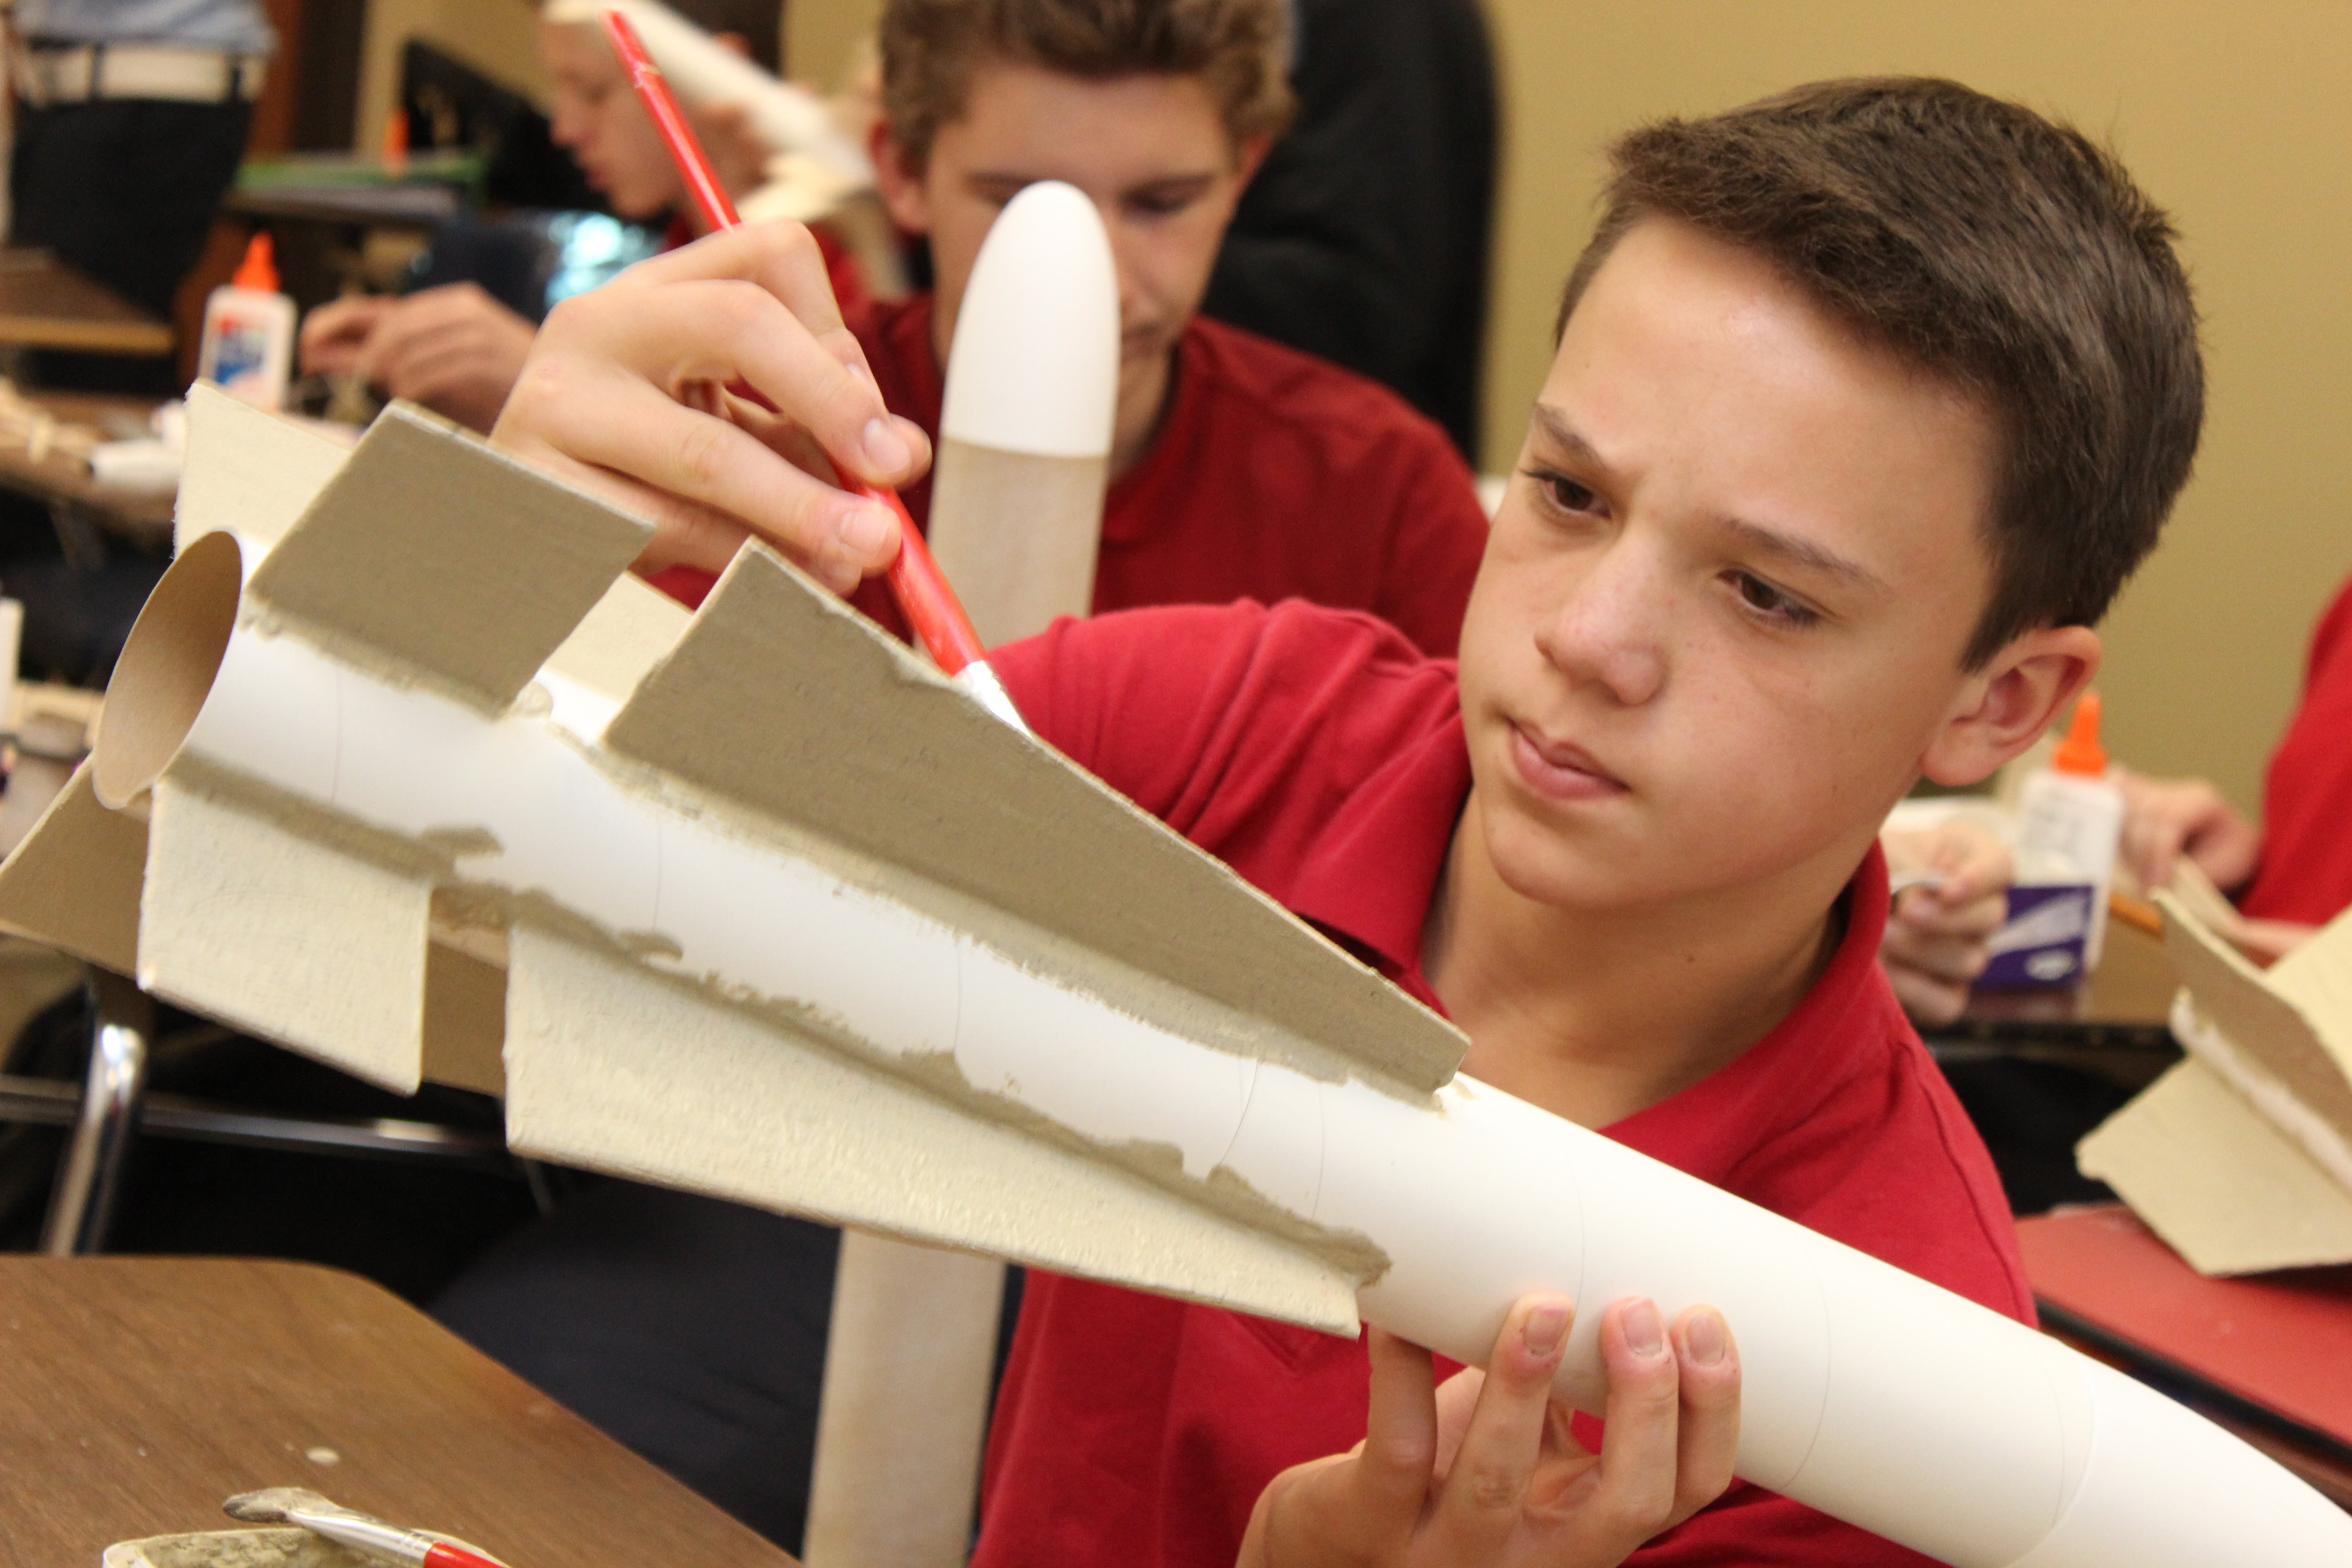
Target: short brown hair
x=1240, y=48
x=1987, y=246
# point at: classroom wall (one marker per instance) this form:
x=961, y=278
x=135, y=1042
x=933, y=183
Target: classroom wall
x=2236, y=117
x=497, y=38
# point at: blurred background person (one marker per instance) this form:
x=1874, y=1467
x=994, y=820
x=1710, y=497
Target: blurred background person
x=131, y=116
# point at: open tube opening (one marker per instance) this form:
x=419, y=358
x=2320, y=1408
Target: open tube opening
x=167, y=669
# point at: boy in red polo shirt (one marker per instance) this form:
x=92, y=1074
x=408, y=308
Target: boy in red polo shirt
x=1866, y=400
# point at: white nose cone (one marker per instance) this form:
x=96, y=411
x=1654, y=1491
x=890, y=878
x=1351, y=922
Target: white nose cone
x=1034, y=364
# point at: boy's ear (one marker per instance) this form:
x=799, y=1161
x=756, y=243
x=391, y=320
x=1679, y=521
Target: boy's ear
x=2012, y=702
x=901, y=188
x=1249, y=155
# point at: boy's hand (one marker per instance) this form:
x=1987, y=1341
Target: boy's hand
x=334, y=334
x=625, y=394
x=453, y=349
x=1485, y=1471
x=2167, y=818
x=1937, y=937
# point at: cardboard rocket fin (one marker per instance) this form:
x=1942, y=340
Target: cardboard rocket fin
x=430, y=555
x=2307, y=1049
x=74, y=882
x=247, y=472
x=286, y=937
x=2228, y=1190
x=611, y=1066
x=917, y=775
x=2242, y=1157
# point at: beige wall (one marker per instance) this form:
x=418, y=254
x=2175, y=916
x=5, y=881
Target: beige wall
x=2235, y=116
x=821, y=38
x=497, y=37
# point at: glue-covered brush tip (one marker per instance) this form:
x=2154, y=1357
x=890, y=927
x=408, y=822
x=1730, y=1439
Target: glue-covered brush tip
x=1034, y=364
x=272, y=1504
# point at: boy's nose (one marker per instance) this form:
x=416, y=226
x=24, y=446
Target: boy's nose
x=1604, y=631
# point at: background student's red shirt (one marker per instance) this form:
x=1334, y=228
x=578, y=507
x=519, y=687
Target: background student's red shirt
x=1273, y=476
x=1323, y=759
x=2307, y=867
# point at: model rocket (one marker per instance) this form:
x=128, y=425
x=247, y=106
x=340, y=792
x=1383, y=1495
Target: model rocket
x=1015, y=515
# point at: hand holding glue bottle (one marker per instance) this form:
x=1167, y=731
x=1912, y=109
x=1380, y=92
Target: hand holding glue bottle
x=2073, y=812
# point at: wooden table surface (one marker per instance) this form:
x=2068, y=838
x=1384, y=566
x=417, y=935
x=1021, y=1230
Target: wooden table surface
x=45, y=304
x=136, y=1394
x=143, y=514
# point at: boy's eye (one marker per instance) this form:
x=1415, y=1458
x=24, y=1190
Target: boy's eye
x=1771, y=603
x=1165, y=200
x=1563, y=492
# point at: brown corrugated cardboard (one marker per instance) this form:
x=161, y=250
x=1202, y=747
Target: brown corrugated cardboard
x=2242, y=1157
x=653, y=1080
x=283, y=935
x=775, y=670
x=74, y=882
x=257, y=473
x=447, y=561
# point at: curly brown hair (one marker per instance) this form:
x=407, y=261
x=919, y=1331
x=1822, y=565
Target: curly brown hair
x=1239, y=48
x=1988, y=247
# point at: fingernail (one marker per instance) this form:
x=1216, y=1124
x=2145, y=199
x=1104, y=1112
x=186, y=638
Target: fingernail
x=862, y=531
x=1707, y=1341
x=886, y=450
x=1547, y=1326
x=1645, y=1331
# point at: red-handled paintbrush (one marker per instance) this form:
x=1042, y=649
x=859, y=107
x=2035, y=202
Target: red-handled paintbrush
x=388, y=1543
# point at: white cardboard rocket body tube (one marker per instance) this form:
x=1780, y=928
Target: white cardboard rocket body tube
x=818, y=975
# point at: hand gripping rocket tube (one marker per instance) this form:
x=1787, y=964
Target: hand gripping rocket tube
x=900, y=967
x=1026, y=423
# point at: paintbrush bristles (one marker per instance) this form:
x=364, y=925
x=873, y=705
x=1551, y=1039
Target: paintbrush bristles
x=271, y=1505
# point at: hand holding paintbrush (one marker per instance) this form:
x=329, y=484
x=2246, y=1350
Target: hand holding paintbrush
x=930, y=604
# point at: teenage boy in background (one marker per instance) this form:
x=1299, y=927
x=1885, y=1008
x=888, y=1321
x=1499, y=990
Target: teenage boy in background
x=1866, y=400
x=1239, y=468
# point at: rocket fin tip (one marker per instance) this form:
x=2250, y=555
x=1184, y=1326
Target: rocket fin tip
x=450, y=561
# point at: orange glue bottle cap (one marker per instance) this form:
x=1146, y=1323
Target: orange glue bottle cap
x=2080, y=753
x=258, y=271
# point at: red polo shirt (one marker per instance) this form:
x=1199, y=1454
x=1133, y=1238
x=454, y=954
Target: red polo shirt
x=1273, y=475
x=1324, y=760
x=2307, y=867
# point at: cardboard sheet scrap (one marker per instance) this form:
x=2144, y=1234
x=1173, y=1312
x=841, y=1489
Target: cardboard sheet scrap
x=2241, y=1156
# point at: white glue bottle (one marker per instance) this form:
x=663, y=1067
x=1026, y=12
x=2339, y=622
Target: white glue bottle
x=2071, y=808
x=249, y=344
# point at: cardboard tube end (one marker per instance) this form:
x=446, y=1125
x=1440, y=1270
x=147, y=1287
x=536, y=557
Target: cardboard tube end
x=167, y=669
